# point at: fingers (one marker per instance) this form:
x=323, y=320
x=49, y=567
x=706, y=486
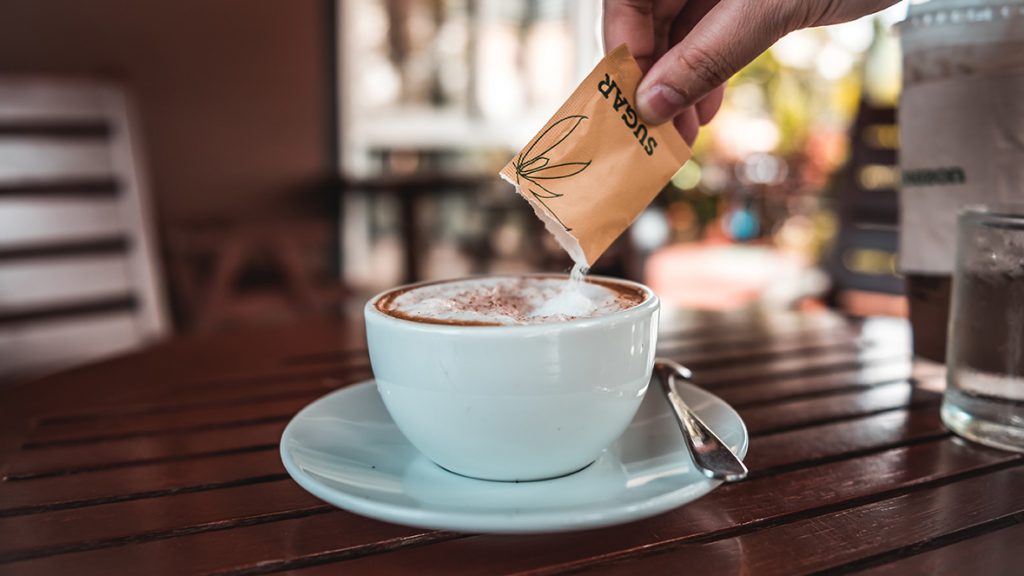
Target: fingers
x=837, y=11
x=732, y=34
x=709, y=105
x=726, y=38
x=688, y=18
x=689, y=121
x=687, y=125
x=645, y=26
x=631, y=22
x=664, y=18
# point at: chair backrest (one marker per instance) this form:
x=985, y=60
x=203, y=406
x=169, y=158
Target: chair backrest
x=867, y=201
x=79, y=277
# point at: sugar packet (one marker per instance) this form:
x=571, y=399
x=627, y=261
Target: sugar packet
x=596, y=165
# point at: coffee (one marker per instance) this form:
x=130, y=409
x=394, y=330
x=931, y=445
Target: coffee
x=490, y=377
x=508, y=300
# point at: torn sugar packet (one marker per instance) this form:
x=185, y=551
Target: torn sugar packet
x=596, y=165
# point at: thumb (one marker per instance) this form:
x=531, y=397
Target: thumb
x=728, y=37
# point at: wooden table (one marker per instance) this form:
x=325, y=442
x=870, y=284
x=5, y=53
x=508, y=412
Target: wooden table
x=166, y=462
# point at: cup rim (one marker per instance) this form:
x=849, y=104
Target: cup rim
x=650, y=304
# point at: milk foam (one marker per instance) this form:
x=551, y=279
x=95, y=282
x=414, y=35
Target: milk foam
x=510, y=301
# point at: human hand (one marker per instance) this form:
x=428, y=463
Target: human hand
x=689, y=48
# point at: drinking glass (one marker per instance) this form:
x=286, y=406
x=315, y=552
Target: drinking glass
x=984, y=398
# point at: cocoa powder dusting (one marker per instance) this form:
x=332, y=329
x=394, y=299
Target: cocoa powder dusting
x=478, y=303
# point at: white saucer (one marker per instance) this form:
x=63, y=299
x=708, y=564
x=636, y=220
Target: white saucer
x=345, y=450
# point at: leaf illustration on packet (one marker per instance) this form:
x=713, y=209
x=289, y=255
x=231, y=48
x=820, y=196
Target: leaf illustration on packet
x=594, y=167
x=531, y=166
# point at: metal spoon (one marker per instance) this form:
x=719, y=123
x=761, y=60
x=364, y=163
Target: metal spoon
x=710, y=454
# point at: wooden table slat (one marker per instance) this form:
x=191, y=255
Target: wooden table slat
x=25, y=496
x=269, y=388
x=149, y=448
x=70, y=490
x=886, y=428
x=846, y=438
x=144, y=450
x=726, y=353
x=790, y=414
x=125, y=425
x=743, y=335
x=992, y=553
x=190, y=395
x=166, y=462
x=251, y=390
x=717, y=326
x=832, y=541
x=80, y=489
x=140, y=520
x=337, y=531
x=767, y=392
x=161, y=424
x=883, y=431
x=751, y=502
x=742, y=373
x=356, y=366
x=744, y=507
x=219, y=397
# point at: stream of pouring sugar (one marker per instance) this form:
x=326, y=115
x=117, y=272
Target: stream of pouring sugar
x=577, y=276
x=575, y=298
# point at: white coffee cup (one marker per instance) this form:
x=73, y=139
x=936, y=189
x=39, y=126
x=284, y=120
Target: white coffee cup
x=522, y=402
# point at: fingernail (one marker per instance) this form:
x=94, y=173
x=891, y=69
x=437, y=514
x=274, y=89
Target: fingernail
x=659, y=103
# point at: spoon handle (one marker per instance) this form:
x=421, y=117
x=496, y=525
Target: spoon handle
x=710, y=454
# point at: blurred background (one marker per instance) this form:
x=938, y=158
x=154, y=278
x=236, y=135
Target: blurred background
x=188, y=167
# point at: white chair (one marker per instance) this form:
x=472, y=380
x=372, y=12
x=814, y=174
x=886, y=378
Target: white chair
x=79, y=273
